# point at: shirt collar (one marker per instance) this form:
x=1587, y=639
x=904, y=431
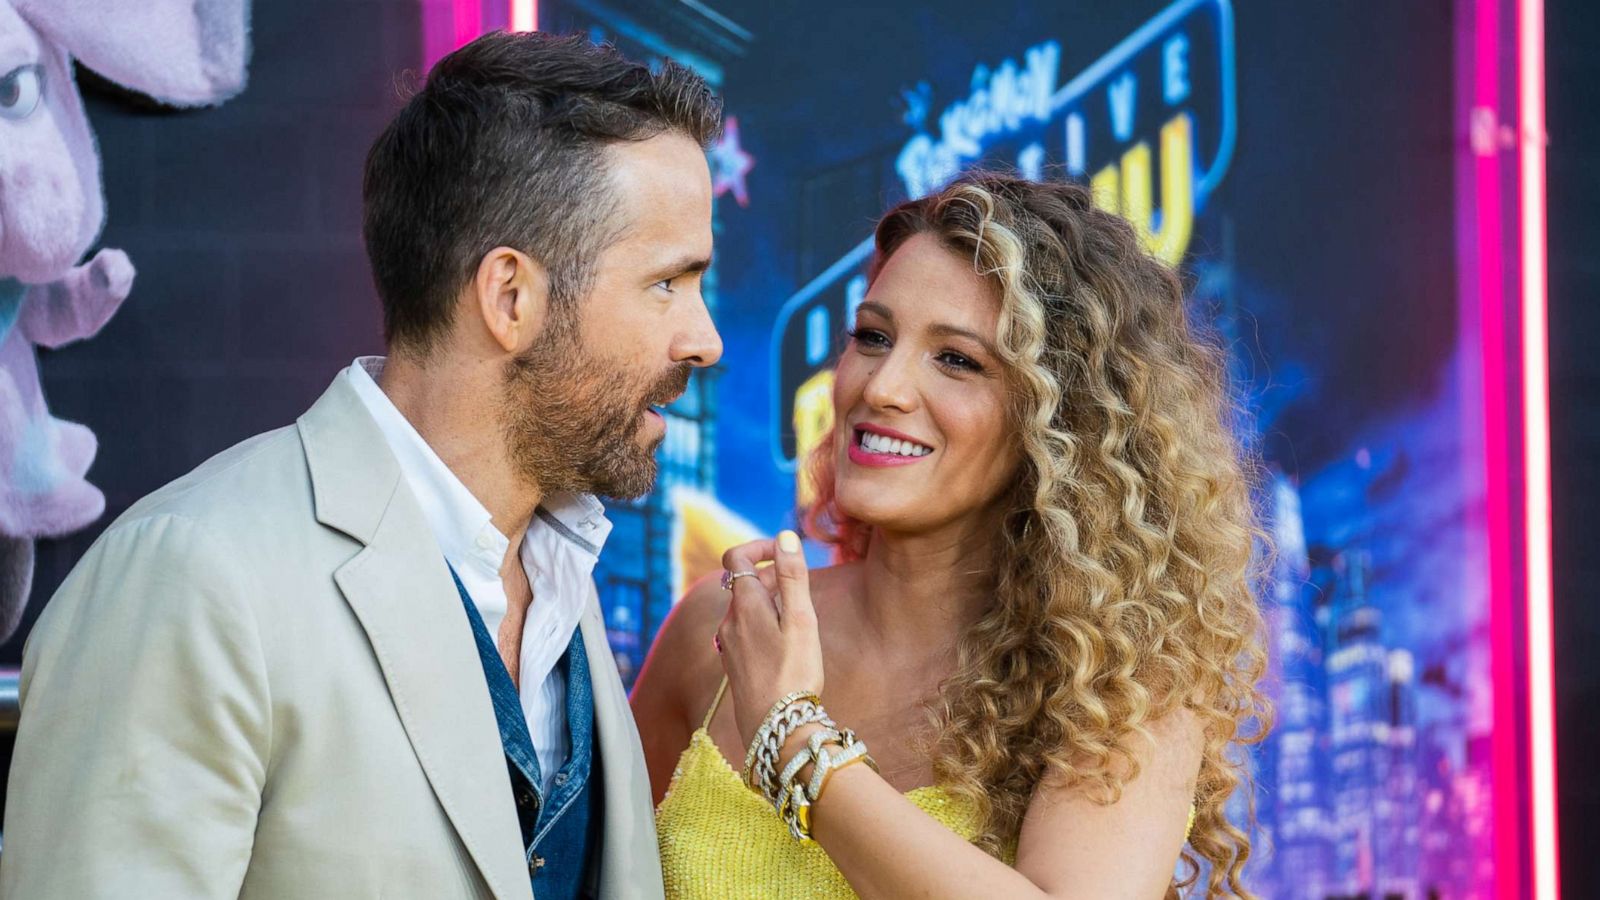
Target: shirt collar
x=579, y=518
x=462, y=525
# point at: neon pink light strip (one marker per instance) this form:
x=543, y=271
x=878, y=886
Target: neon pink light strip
x=1536, y=450
x=1493, y=350
x=468, y=21
x=448, y=24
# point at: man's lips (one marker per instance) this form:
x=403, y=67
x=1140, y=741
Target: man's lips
x=659, y=407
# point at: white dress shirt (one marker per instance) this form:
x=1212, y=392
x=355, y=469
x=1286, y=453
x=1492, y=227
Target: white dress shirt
x=558, y=553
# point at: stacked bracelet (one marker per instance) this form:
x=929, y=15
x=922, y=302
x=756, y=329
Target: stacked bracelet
x=850, y=751
x=827, y=750
x=763, y=775
x=767, y=725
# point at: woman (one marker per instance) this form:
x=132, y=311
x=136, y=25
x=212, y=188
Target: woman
x=1041, y=622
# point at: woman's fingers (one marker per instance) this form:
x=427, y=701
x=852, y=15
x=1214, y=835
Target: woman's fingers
x=768, y=640
x=744, y=557
x=755, y=596
x=794, y=581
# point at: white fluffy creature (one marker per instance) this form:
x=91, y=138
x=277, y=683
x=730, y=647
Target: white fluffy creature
x=179, y=52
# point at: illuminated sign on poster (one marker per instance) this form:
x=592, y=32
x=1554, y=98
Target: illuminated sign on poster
x=1150, y=126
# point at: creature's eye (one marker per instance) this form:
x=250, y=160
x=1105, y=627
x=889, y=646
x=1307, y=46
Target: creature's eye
x=19, y=92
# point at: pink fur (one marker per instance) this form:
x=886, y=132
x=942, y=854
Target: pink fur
x=181, y=52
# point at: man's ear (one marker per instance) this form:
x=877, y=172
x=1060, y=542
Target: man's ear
x=512, y=291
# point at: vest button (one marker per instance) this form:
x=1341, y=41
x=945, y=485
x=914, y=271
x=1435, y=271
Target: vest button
x=525, y=798
x=535, y=864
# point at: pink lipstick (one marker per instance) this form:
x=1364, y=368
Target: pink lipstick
x=878, y=447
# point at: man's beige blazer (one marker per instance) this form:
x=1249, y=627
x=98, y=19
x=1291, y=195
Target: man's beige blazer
x=259, y=683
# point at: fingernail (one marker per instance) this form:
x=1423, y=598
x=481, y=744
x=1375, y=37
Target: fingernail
x=789, y=542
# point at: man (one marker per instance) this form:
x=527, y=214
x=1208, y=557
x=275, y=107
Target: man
x=362, y=656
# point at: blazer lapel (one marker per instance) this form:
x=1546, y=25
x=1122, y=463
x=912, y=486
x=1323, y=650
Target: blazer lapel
x=401, y=592
x=630, y=864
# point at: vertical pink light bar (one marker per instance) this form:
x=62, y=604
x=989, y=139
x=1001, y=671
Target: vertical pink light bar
x=524, y=15
x=1536, y=450
x=468, y=21
x=448, y=24
x=438, y=30
x=1489, y=250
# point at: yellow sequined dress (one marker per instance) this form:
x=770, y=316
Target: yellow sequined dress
x=720, y=840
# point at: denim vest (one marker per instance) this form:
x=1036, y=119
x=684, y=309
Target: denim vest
x=561, y=832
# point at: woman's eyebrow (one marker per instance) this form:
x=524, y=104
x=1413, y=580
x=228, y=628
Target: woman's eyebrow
x=943, y=330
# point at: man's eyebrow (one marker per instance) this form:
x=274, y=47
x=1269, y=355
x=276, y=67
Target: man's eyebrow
x=691, y=264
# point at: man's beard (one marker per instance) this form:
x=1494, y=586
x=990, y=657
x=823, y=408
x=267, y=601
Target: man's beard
x=572, y=417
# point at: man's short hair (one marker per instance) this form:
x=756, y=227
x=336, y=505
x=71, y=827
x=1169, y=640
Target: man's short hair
x=504, y=146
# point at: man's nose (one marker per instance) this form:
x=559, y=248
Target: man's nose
x=698, y=343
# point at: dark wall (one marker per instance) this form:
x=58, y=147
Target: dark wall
x=1572, y=28
x=244, y=223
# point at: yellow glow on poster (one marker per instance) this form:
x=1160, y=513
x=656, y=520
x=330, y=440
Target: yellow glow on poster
x=813, y=417
x=703, y=530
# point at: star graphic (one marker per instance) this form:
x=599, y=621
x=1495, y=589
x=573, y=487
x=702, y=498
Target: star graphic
x=730, y=164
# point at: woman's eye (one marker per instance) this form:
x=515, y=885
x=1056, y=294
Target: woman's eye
x=955, y=360
x=869, y=337
x=19, y=92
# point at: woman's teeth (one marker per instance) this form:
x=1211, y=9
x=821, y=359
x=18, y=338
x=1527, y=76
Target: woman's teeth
x=877, y=443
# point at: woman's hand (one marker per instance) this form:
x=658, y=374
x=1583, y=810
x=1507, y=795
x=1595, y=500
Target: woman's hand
x=768, y=640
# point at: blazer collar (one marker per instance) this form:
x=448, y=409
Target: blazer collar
x=400, y=590
x=353, y=473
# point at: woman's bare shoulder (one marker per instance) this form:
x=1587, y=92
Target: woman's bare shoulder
x=694, y=619
x=682, y=671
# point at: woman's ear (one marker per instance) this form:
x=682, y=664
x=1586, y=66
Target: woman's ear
x=512, y=291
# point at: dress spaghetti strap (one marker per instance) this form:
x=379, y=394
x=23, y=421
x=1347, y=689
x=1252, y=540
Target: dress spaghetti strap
x=716, y=702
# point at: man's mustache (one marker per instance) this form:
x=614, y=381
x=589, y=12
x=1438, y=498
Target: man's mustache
x=671, y=386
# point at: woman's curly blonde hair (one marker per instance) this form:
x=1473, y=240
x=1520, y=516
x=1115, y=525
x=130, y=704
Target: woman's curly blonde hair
x=1126, y=576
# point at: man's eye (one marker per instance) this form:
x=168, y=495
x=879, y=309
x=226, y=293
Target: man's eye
x=665, y=284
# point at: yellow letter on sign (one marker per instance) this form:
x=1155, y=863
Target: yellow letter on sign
x=1130, y=191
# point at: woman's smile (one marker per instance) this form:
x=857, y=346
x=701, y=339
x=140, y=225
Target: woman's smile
x=876, y=446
